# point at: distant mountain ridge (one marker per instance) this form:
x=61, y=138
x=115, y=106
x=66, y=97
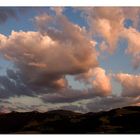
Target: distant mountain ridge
x=117, y=121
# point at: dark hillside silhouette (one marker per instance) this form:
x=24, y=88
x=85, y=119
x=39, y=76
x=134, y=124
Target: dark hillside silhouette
x=117, y=121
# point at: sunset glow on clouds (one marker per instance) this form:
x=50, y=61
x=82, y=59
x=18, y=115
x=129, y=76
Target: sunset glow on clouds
x=58, y=57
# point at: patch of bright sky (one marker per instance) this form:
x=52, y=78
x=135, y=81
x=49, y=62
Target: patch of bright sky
x=14, y=25
x=74, y=84
x=75, y=16
x=119, y=61
x=23, y=22
x=128, y=23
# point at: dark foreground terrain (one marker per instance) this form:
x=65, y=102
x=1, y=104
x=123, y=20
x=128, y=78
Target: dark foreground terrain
x=120, y=121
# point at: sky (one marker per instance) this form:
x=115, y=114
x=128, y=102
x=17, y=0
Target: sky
x=84, y=59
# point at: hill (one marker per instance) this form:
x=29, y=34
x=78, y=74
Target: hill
x=117, y=121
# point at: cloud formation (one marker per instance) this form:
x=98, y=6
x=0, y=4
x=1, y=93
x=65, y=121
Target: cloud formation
x=133, y=37
x=111, y=102
x=110, y=27
x=98, y=79
x=100, y=85
x=43, y=59
x=107, y=25
x=130, y=84
x=67, y=96
x=11, y=85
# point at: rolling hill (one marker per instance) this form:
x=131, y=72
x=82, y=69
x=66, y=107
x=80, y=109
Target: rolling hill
x=117, y=121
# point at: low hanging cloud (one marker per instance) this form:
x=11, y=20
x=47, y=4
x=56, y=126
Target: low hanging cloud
x=97, y=104
x=100, y=85
x=111, y=102
x=67, y=96
x=130, y=84
x=71, y=95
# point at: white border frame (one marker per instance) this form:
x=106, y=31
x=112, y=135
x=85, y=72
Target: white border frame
x=28, y=3
x=70, y=3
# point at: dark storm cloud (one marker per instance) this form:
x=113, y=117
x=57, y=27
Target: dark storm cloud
x=66, y=96
x=11, y=85
x=71, y=95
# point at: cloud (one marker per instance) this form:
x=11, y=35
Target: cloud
x=130, y=84
x=11, y=85
x=66, y=96
x=133, y=14
x=97, y=103
x=70, y=95
x=133, y=37
x=97, y=77
x=42, y=60
x=105, y=24
x=76, y=108
x=58, y=10
x=111, y=102
x=100, y=86
x=110, y=27
x=21, y=104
